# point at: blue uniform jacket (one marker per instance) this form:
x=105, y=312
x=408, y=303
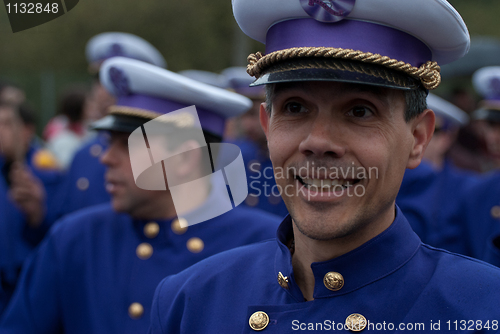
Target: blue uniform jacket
x=17, y=239
x=432, y=201
x=97, y=270
x=479, y=217
x=393, y=278
x=84, y=183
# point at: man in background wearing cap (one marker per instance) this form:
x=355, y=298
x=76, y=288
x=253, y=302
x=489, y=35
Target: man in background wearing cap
x=478, y=217
x=430, y=195
x=97, y=269
x=466, y=204
x=486, y=119
x=84, y=182
x=346, y=88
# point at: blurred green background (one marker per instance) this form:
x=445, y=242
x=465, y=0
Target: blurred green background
x=190, y=34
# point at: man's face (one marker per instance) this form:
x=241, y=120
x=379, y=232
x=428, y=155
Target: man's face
x=14, y=135
x=491, y=133
x=319, y=133
x=441, y=142
x=126, y=196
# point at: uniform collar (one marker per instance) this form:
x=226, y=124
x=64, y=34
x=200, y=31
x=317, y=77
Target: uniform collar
x=366, y=264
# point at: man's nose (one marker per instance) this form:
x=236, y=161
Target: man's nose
x=325, y=137
x=108, y=157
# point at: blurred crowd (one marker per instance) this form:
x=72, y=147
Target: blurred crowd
x=452, y=199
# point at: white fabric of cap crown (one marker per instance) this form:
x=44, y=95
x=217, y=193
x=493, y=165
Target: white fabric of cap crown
x=435, y=22
x=486, y=82
x=99, y=46
x=207, y=77
x=238, y=75
x=150, y=80
x=447, y=110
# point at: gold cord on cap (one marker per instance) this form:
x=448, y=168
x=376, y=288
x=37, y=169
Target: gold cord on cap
x=181, y=120
x=136, y=112
x=428, y=73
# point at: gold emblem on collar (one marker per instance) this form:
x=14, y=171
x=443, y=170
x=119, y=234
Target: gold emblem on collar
x=259, y=320
x=355, y=322
x=333, y=281
x=283, y=280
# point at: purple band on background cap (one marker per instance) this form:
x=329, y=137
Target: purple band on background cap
x=209, y=120
x=252, y=92
x=348, y=34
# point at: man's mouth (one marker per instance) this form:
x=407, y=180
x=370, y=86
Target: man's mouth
x=327, y=185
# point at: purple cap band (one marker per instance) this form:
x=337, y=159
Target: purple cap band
x=209, y=120
x=348, y=34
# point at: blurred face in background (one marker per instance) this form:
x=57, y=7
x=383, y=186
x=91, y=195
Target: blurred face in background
x=14, y=135
x=12, y=95
x=126, y=196
x=490, y=132
x=440, y=144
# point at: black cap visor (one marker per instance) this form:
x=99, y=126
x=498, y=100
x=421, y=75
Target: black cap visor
x=331, y=69
x=120, y=123
x=128, y=124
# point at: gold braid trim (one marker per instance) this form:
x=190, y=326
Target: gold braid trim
x=182, y=120
x=489, y=105
x=351, y=67
x=129, y=111
x=428, y=73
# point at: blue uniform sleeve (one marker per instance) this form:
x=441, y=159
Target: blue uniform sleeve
x=155, y=326
x=168, y=307
x=35, y=307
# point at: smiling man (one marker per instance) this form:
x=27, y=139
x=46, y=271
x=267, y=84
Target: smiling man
x=346, y=86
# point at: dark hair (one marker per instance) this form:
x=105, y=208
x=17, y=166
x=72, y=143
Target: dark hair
x=72, y=102
x=416, y=101
x=24, y=110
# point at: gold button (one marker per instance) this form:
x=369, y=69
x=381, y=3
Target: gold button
x=135, y=310
x=258, y=321
x=95, y=150
x=82, y=183
x=179, y=226
x=144, y=251
x=283, y=280
x=333, y=281
x=495, y=212
x=252, y=200
x=151, y=230
x=355, y=322
x=195, y=245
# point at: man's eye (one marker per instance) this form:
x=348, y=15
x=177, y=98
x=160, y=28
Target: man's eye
x=360, y=112
x=295, y=108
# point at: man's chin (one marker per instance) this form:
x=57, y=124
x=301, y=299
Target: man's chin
x=118, y=206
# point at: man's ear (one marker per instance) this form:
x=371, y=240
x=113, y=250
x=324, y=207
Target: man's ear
x=264, y=118
x=422, y=130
